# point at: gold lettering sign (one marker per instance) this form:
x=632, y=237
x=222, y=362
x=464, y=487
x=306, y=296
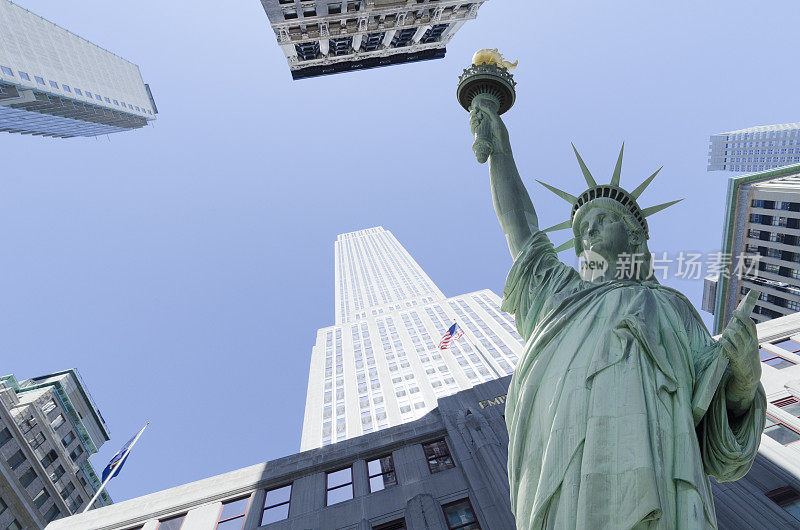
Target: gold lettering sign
x=499, y=400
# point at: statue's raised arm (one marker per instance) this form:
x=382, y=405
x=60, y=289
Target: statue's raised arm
x=511, y=200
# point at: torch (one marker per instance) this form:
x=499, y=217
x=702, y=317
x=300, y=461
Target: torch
x=489, y=79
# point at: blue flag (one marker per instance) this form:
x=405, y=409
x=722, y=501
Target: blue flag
x=118, y=460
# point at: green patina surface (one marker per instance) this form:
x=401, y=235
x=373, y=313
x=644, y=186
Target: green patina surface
x=94, y=480
x=729, y=231
x=72, y=414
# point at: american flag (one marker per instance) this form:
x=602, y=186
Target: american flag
x=454, y=333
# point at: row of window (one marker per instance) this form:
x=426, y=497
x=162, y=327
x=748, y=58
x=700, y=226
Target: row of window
x=72, y=90
x=788, y=222
x=339, y=488
x=776, y=205
x=775, y=162
x=308, y=51
x=15, y=525
x=459, y=516
x=777, y=361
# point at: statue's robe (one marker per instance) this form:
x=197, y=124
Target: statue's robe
x=616, y=411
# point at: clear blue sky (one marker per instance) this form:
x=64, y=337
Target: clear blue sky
x=184, y=268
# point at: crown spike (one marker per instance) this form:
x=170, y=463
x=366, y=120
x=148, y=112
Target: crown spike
x=618, y=167
x=586, y=174
x=563, y=194
x=565, y=245
x=559, y=226
x=638, y=191
x=647, y=212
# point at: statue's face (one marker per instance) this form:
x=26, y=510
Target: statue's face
x=604, y=232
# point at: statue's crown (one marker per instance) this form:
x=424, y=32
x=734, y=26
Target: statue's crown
x=609, y=194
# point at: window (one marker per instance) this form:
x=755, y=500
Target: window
x=52, y=513
x=779, y=431
x=788, y=345
x=58, y=422
x=16, y=460
x=381, y=473
x=397, y=524
x=39, y=79
x=78, y=91
x=26, y=478
x=787, y=498
x=49, y=407
x=171, y=523
x=774, y=360
x=25, y=76
x=7, y=70
x=49, y=458
x=67, y=490
x=460, y=515
x=14, y=525
x=789, y=404
x=76, y=504
x=41, y=498
x=68, y=439
x=339, y=486
x=66, y=87
x=78, y=451
x=53, y=84
x=98, y=97
x=88, y=94
x=5, y=436
x=116, y=103
x=335, y=9
x=3, y=506
x=438, y=456
x=231, y=515
x=57, y=473
x=107, y=100
x=276, y=504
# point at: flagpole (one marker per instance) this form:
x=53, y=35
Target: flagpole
x=485, y=359
x=111, y=474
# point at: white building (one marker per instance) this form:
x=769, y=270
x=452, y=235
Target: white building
x=380, y=365
x=49, y=427
x=756, y=148
x=322, y=37
x=54, y=83
x=761, y=236
x=780, y=360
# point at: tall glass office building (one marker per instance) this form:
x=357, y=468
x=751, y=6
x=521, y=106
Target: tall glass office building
x=755, y=148
x=380, y=364
x=54, y=83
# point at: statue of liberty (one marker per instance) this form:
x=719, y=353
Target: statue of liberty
x=622, y=404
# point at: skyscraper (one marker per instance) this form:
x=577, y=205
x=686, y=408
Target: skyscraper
x=756, y=148
x=322, y=37
x=760, y=247
x=380, y=364
x=49, y=427
x=54, y=83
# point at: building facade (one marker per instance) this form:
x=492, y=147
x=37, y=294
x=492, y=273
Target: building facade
x=54, y=83
x=761, y=239
x=320, y=37
x=447, y=470
x=49, y=427
x=381, y=364
x=755, y=149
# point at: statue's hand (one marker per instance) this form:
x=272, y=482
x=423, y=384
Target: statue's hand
x=739, y=343
x=491, y=135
